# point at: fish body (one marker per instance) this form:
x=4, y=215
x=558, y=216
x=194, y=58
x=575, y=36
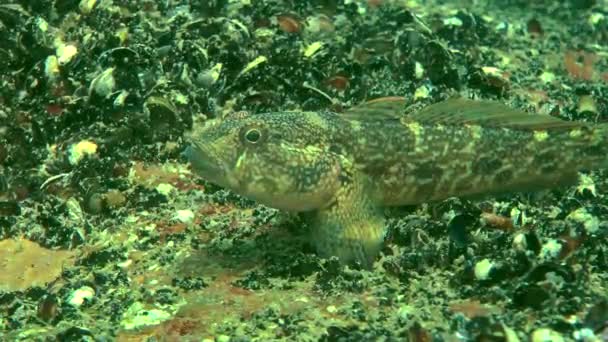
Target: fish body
x=338, y=170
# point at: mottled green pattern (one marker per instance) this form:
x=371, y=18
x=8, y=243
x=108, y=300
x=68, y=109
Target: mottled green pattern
x=434, y=161
x=339, y=169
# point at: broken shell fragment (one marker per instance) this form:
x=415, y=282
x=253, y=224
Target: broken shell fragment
x=80, y=150
x=289, y=23
x=160, y=110
x=104, y=84
x=65, y=53
x=51, y=67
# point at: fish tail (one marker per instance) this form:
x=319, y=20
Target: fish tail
x=352, y=228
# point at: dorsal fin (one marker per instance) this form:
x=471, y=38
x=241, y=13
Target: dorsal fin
x=383, y=108
x=238, y=115
x=461, y=111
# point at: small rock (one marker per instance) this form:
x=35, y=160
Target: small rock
x=79, y=296
x=483, y=269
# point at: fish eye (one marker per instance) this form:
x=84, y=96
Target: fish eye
x=253, y=135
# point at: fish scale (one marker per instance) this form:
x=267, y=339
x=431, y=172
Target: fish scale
x=339, y=170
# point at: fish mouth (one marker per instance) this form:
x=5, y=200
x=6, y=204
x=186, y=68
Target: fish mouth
x=203, y=163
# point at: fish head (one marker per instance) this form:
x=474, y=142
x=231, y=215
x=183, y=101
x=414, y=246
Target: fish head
x=278, y=159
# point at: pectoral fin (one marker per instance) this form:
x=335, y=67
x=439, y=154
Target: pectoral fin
x=352, y=227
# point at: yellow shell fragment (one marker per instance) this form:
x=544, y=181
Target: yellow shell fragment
x=216, y=71
x=80, y=150
x=575, y=133
x=253, y=64
x=65, y=53
x=421, y=93
x=86, y=6
x=541, y=136
x=312, y=48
